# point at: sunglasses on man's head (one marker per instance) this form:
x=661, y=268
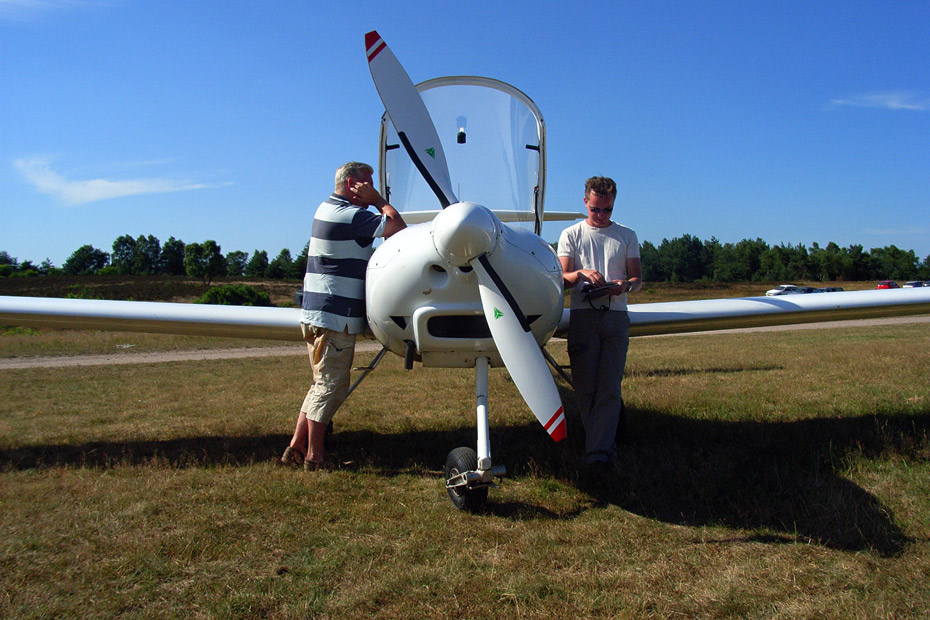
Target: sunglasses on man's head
x=598, y=210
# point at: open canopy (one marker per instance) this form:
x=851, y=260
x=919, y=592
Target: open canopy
x=493, y=136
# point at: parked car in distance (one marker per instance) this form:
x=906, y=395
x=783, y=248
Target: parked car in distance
x=782, y=289
x=887, y=284
x=806, y=289
x=913, y=284
x=829, y=289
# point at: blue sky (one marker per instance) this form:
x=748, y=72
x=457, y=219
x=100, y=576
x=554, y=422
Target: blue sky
x=794, y=122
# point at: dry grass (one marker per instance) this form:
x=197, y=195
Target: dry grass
x=775, y=475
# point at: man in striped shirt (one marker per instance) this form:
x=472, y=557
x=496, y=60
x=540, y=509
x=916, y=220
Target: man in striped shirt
x=333, y=309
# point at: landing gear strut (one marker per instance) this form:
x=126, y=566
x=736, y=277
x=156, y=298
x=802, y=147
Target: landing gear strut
x=469, y=474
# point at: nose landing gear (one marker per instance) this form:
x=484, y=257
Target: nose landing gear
x=469, y=474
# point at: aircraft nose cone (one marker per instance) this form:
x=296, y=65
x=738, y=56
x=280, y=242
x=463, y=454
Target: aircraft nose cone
x=463, y=231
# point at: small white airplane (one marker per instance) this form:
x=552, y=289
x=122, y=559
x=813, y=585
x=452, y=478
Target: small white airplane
x=464, y=286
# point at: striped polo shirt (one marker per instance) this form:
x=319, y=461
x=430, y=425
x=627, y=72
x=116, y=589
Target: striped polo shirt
x=340, y=246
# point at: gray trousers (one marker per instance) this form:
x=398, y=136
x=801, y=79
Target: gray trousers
x=597, y=344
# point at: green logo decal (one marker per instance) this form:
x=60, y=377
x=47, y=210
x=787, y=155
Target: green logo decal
x=431, y=152
x=497, y=313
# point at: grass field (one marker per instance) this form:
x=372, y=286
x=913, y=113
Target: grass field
x=764, y=475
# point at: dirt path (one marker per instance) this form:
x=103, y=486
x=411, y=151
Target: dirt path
x=297, y=349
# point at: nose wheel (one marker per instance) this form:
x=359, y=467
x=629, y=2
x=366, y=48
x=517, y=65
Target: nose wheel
x=465, y=494
x=470, y=473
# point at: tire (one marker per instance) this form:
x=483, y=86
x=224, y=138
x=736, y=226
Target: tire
x=462, y=460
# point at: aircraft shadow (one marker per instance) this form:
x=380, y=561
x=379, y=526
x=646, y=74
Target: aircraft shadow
x=781, y=479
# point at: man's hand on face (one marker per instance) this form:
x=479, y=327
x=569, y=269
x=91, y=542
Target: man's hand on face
x=366, y=194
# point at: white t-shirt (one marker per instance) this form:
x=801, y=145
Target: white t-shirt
x=604, y=249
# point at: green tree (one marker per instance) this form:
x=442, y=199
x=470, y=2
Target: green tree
x=299, y=266
x=204, y=261
x=856, y=264
x=257, y=265
x=172, y=257
x=773, y=264
x=8, y=265
x=923, y=272
x=827, y=262
x=216, y=264
x=684, y=259
x=86, y=260
x=893, y=263
x=749, y=258
x=652, y=263
x=124, y=254
x=236, y=262
x=799, y=263
x=147, y=259
x=280, y=267
x=723, y=264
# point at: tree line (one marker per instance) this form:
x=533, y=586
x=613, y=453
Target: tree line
x=688, y=259
x=146, y=255
x=682, y=259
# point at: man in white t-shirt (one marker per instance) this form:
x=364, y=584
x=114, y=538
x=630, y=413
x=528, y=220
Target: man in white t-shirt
x=599, y=253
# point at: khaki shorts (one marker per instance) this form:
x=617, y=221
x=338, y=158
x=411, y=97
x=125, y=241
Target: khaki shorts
x=331, y=354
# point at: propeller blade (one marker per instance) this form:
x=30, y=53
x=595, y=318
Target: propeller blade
x=410, y=117
x=519, y=349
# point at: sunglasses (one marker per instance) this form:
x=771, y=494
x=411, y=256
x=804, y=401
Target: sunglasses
x=597, y=210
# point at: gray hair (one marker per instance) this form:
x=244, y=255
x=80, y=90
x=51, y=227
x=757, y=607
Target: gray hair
x=351, y=170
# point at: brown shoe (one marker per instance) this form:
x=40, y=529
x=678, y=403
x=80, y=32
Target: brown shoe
x=314, y=465
x=325, y=465
x=292, y=457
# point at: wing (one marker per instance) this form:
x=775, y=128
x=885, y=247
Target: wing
x=712, y=314
x=152, y=317
x=280, y=323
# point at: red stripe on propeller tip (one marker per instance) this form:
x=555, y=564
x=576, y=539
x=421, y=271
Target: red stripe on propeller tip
x=374, y=44
x=556, y=431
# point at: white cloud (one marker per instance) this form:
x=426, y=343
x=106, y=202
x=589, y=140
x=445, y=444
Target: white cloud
x=32, y=10
x=909, y=231
x=892, y=100
x=23, y=10
x=38, y=172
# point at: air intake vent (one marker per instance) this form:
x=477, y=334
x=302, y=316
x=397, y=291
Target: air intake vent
x=462, y=326
x=452, y=326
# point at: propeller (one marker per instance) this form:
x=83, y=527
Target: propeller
x=465, y=233
x=411, y=119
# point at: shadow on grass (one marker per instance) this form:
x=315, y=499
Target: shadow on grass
x=779, y=479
